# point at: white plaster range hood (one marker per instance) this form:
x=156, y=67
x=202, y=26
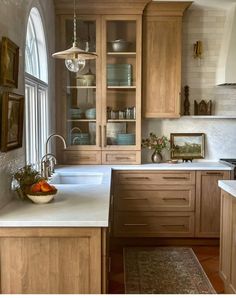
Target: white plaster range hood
x=226, y=71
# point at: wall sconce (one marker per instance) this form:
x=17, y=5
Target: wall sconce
x=197, y=50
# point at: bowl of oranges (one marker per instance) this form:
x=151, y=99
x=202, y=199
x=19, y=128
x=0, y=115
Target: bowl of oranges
x=41, y=192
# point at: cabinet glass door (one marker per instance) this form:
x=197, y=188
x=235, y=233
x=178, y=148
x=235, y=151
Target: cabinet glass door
x=81, y=89
x=121, y=90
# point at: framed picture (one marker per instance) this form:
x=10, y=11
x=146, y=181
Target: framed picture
x=187, y=146
x=9, y=63
x=12, y=109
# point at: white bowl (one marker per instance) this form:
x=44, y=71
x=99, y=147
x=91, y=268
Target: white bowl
x=43, y=199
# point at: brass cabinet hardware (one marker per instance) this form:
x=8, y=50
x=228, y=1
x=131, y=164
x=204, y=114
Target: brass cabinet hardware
x=135, y=225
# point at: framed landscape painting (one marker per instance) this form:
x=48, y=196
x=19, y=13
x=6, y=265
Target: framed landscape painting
x=9, y=65
x=12, y=108
x=187, y=146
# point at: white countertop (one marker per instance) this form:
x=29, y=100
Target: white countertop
x=228, y=186
x=82, y=205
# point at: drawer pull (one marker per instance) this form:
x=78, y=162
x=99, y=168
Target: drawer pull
x=174, y=199
x=137, y=178
x=122, y=158
x=175, y=178
x=85, y=158
x=214, y=173
x=134, y=199
x=135, y=225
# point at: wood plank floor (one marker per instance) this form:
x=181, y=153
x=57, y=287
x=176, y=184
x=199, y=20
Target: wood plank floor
x=208, y=256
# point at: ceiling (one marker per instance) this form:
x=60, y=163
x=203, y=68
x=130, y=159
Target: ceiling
x=210, y=3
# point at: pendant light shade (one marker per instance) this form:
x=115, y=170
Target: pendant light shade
x=75, y=58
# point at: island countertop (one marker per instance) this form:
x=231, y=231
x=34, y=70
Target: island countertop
x=228, y=186
x=83, y=205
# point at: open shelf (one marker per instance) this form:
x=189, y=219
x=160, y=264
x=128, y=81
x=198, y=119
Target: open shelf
x=209, y=117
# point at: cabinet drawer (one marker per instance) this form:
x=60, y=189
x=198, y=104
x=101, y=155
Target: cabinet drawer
x=72, y=157
x=154, y=224
x=173, y=198
x=121, y=157
x=155, y=177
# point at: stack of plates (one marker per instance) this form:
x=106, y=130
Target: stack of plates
x=90, y=113
x=125, y=139
x=119, y=74
x=76, y=113
x=80, y=138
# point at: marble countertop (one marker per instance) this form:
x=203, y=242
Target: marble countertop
x=82, y=205
x=228, y=186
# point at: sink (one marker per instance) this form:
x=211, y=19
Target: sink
x=77, y=178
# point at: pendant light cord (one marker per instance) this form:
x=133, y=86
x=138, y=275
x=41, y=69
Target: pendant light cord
x=75, y=38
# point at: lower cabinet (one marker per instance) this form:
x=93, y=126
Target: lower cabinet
x=53, y=260
x=208, y=202
x=167, y=203
x=228, y=242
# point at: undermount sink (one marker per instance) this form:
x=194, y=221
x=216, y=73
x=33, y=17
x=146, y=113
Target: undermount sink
x=77, y=178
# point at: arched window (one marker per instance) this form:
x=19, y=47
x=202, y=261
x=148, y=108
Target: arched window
x=36, y=88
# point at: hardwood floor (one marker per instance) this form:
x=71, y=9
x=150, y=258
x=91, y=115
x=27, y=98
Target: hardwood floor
x=208, y=256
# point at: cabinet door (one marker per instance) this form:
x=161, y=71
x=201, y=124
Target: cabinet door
x=50, y=261
x=121, y=85
x=79, y=112
x=162, y=59
x=208, y=202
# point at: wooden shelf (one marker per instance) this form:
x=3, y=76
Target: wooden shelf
x=120, y=54
x=121, y=87
x=81, y=87
x=81, y=120
x=209, y=117
x=121, y=120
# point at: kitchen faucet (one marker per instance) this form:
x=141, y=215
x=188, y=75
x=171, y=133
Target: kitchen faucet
x=48, y=161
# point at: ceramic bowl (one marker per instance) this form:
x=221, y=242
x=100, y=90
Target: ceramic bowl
x=41, y=199
x=119, y=45
x=90, y=113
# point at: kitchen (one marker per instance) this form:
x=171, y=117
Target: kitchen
x=201, y=21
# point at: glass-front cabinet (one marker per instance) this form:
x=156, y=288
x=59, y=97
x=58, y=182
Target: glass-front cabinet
x=100, y=106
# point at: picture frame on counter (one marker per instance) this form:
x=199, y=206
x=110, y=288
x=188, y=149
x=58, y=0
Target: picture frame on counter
x=9, y=63
x=187, y=146
x=11, y=111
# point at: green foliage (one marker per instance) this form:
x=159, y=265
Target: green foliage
x=156, y=143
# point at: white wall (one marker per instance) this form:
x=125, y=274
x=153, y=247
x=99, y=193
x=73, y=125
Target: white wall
x=13, y=22
x=206, y=24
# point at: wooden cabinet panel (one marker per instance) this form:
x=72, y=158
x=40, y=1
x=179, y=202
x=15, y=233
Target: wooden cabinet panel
x=155, y=177
x=208, y=202
x=51, y=261
x=154, y=224
x=173, y=198
x=121, y=157
x=72, y=157
x=162, y=41
x=228, y=242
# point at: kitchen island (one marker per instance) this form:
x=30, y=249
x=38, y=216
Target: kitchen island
x=61, y=247
x=228, y=235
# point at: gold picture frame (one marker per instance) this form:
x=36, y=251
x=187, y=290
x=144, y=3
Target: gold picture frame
x=9, y=63
x=187, y=146
x=11, y=111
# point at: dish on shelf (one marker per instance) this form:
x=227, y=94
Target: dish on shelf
x=119, y=74
x=125, y=139
x=90, y=113
x=76, y=113
x=119, y=45
x=78, y=137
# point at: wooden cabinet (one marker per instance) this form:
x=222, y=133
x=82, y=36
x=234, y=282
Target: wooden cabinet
x=228, y=242
x=102, y=119
x=208, y=202
x=162, y=26
x=53, y=260
x=154, y=204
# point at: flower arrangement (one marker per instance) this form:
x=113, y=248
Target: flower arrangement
x=156, y=143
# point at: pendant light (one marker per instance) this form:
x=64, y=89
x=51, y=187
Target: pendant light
x=75, y=58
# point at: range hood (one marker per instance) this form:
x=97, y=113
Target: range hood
x=226, y=70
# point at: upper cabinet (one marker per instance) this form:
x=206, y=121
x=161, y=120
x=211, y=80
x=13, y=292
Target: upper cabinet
x=162, y=27
x=100, y=107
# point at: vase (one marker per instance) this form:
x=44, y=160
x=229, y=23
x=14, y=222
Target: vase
x=156, y=157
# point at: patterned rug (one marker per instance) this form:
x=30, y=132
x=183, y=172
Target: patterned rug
x=164, y=270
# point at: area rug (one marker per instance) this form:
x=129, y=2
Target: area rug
x=164, y=270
